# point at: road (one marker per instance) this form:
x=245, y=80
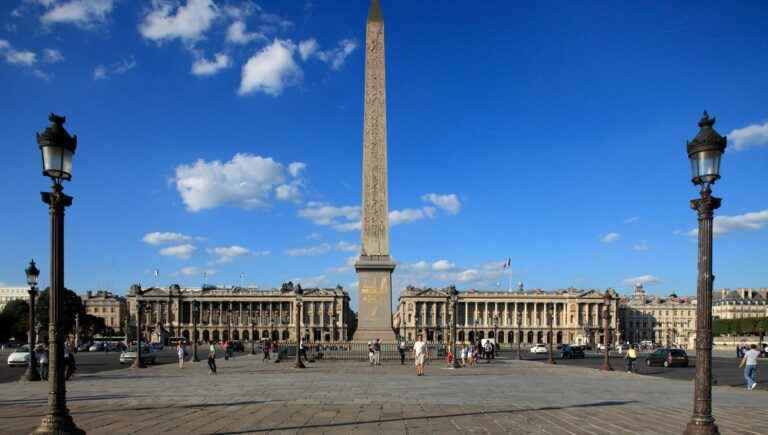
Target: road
x=92, y=362
x=725, y=370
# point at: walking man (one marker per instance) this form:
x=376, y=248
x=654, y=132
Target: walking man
x=180, y=354
x=266, y=347
x=401, y=349
x=212, y=358
x=749, y=362
x=419, y=354
x=377, y=352
x=371, y=353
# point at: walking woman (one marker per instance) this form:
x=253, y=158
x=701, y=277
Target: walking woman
x=180, y=354
x=419, y=354
x=212, y=358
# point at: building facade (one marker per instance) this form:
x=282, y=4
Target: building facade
x=669, y=321
x=741, y=303
x=234, y=312
x=511, y=317
x=110, y=307
x=8, y=294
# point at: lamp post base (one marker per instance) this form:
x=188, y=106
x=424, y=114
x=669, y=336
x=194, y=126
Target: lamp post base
x=137, y=364
x=606, y=368
x=58, y=424
x=696, y=427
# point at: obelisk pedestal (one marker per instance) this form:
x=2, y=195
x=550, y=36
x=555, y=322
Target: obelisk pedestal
x=374, y=267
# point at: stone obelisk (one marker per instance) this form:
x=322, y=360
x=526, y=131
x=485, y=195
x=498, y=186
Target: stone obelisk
x=374, y=267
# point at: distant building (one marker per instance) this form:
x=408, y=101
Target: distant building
x=8, y=294
x=741, y=303
x=232, y=313
x=110, y=307
x=495, y=314
x=666, y=321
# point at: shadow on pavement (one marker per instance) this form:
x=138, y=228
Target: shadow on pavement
x=430, y=417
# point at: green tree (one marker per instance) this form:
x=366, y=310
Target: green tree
x=14, y=321
x=72, y=305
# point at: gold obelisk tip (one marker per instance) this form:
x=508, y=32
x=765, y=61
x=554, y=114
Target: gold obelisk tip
x=374, y=14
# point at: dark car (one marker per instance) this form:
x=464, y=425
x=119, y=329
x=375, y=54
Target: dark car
x=667, y=358
x=571, y=352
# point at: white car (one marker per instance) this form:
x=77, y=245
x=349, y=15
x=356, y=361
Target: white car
x=20, y=357
x=539, y=348
x=96, y=347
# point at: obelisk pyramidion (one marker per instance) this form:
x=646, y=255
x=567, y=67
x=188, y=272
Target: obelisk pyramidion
x=374, y=267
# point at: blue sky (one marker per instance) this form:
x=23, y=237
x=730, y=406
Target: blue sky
x=226, y=137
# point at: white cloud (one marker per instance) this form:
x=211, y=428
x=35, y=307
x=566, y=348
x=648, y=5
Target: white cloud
x=51, y=55
x=725, y=224
x=397, y=217
x=246, y=181
x=23, y=58
x=159, y=238
x=347, y=247
x=82, y=13
x=449, y=203
x=309, y=251
x=237, y=34
x=308, y=48
x=610, y=237
x=632, y=220
x=643, y=280
x=642, y=246
x=168, y=20
x=272, y=23
x=181, y=251
x=341, y=218
x=191, y=271
x=296, y=168
x=120, y=67
x=4, y=45
x=290, y=192
x=225, y=254
x=312, y=281
x=271, y=69
x=442, y=265
x=336, y=57
x=314, y=236
x=349, y=264
x=754, y=135
x=205, y=67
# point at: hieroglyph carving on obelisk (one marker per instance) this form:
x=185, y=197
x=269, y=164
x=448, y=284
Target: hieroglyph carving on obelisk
x=374, y=267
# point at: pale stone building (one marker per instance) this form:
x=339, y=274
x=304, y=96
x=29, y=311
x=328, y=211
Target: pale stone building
x=234, y=312
x=513, y=317
x=8, y=294
x=110, y=307
x=741, y=303
x=669, y=321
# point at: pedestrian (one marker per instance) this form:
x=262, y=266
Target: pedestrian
x=303, y=349
x=370, y=353
x=212, y=358
x=464, y=355
x=69, y=361
x=631, y=357
x=419, y=354
x=180, y=354
x=266, y=347
x=738, y=352
x=471, y=355
x=42, y=362
x=749, y=362
x=401, y=349
x=377, y=352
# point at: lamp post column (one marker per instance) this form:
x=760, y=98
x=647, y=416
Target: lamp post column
x=517, y=331
x=299, y=364
x=57, y=420
x=550, y=314
x=606, y=328
x=454, y=307
x=32, y=374
x=195, y=314
x=253, y=338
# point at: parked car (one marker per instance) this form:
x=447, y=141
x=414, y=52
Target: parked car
x=84, y=347
x=157, y=346
x=19, y=357
x=571, y=352
x=667, y=358
x=622, y=347
x=539, y=348
x=96, y=347
x=147, y=355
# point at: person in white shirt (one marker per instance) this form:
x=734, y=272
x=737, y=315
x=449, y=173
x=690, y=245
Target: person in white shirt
x=749, y=362
x=464, y=355
x=419, y=354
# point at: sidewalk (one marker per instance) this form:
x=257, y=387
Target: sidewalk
x=249, y=396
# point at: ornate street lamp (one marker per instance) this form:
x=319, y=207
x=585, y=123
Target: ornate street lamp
x=32, y=273
x=195, y=319
x=299, y=296
x=704, y=152
x=453, y=299
x=551, y=318
x=495, y=333
x=138, y=363
x=606, y=332
x=57, y=148
x=517, y=331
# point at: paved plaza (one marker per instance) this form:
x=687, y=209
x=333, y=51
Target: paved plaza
x=507, y=396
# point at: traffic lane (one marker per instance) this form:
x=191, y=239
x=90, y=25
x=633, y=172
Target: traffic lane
x=93, y=362
x=725, y=370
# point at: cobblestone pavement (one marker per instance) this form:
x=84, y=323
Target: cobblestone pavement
x=248, y=396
